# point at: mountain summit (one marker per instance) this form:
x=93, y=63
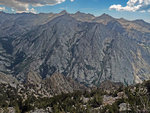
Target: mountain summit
x=63, y=12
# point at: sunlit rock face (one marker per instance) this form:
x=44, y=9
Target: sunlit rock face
x=85, y=48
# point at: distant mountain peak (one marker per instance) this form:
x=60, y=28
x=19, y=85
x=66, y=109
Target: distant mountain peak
x=105, y=16
x=63, y=12
x=122, y=19
x=81, y=13
x=142, y=23
x=139, y=21
x=77, y=12
x=83, y=16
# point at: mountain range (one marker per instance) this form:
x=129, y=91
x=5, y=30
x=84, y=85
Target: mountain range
x=67, y=51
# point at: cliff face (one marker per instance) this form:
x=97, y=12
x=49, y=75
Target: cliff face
x=88, y=51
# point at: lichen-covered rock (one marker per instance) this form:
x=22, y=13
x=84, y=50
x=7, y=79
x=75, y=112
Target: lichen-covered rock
x=1, y=110
x=39, y=111
x=11, y=110
x=124, y=107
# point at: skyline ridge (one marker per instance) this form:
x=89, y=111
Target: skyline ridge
x=130, y=9
x=65, y=11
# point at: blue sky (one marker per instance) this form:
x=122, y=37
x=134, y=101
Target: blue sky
x=128, y=9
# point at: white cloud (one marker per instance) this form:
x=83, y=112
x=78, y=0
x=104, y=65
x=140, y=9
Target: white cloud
x=32, y=10
x=15, y=5
x=23, y=5
x=41, y=2
x=133, y=5
x=2, y=9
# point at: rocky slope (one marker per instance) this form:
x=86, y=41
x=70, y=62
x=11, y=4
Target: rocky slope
x=132, y=99
x=85, y=48
x=35, y=85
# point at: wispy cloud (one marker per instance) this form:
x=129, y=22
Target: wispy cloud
x=133, y=5
x=2, y=9
x=23, y=5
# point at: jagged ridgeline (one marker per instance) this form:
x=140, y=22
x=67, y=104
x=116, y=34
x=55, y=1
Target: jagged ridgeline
x=79, y=46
